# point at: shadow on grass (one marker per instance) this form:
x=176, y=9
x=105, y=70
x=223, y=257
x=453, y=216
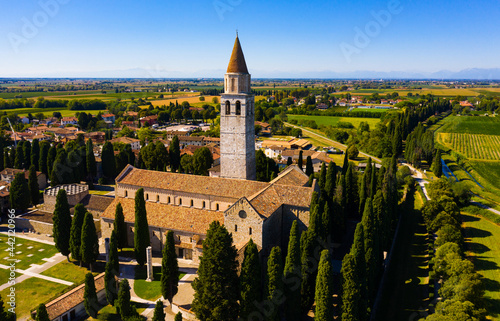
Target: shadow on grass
x=475, y=232
x=493, y=307
x=484, y=264
x=470, y=218
x=477, y=248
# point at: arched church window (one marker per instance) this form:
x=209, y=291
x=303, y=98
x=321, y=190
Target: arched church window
x=217, y=207
x=228, y=107
x=191, y=203
x=238, y=108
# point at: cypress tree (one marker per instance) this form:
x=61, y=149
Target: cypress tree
x=19, y=193
x=309, y=166
x=371, y=247
x=351, y=295
x=114, y=262
x=289, y=161
x=19, y=160
x=120, y=227
x=35, y=154
x=324, y=289
x=90, y=160
x=6, y=160
x=33, y=186
x=373, y=182
x=159, y=314
x=326, y=223
x=89, y=249
x=345, y=165
x=75, y=239
x=331, y=180
x=51, y=158
x=178, y=317
x=42, y=161
x=308, y=244
x=216, y=287
x=352, y=197
x=108, y=161
x=2, y=159
x=60, y=172
x=41, y=313
x=174, y=152
x=27, y=154
x=123, y=307
x=301, y=160
x=12, y=155
x=250, y=281
x=362, y=194
x=169, y=269
x=292, y=275
x=90, y=301
x=110, y=285
x=437, y=167
x=141, y=228
x=322, y=178
x=358, y=250
x=397, y=141
x=62, y=223
x=274, y=284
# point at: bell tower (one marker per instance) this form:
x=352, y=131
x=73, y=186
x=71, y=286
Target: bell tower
x=237, y=133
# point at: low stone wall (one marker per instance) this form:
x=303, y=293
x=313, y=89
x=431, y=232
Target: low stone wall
x=38, y=227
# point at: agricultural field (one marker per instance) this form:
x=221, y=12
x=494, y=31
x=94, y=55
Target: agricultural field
x=483, y=248
x=486, y=147
x=334, y=120
x=477, y=125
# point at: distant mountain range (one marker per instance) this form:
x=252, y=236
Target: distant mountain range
x=466, y=74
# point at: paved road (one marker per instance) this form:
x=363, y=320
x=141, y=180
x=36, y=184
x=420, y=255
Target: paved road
x=332, y=141
x=486, y=207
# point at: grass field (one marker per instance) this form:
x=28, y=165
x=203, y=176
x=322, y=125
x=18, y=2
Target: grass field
x=486, y=147
x=31, y=292
x=149, y=290
x=68, y=271
x=483, y=248
x=27, y=252
x=478, y=125
x=108, y=313
x=405, y=295
x=333, y=120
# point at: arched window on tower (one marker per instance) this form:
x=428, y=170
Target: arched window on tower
x=228, y=107
x=233, y=85
x=238, y=108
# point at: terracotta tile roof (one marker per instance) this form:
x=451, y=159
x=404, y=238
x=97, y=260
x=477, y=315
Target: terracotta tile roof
x=215, y=186
x=292, y=175
x=71, y=299
x=97, y=203
x=173, y=217
x=39, y=216
x=270, y=199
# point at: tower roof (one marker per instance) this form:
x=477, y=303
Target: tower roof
x=237, y=62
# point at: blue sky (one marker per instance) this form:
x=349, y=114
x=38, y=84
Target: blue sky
x=195, y=38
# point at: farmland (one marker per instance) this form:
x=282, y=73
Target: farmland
x=471, y=125
x=483, y=248
x=334, y=120
x=472, y=146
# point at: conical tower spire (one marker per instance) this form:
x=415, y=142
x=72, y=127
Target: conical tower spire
x=237, y=62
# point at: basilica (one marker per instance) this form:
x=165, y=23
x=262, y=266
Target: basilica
x=187, y=204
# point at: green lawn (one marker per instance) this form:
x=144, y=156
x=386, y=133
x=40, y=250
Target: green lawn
x=31, y=292
x=68, y=271
x=483, y=248
x=405, y=295
x=471, y=125
x=149, y=290
x=23, y=251
x=333, y=120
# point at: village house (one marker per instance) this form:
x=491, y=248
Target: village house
x=69, y=121
x=108, y=118
x=8, y=174
x=134, y=143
